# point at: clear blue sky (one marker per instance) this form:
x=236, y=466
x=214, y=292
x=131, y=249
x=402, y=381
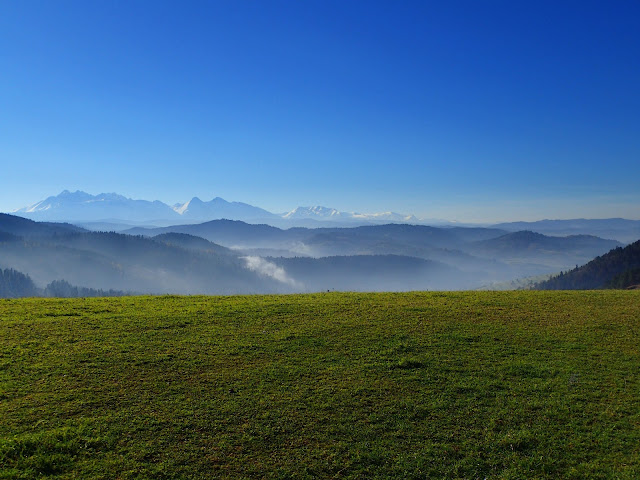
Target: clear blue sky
x=475, y=111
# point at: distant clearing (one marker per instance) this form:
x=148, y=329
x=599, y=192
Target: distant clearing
x=469, y=385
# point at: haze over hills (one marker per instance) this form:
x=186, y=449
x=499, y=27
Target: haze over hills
x=170, y=264
x=361, y=273
x=620, y=229
x=485, y=254
x=186, y=264
x=231, y=256
x=371, y=239
x=245, y=249
x=536, y=248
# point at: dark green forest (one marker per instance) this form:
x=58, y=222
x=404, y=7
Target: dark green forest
x=619, y=268
x=627, y=279
x=14, y=284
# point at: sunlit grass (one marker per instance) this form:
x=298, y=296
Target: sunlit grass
x=407, y=385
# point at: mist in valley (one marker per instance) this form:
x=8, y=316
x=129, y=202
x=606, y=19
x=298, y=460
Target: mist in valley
x=233, y=257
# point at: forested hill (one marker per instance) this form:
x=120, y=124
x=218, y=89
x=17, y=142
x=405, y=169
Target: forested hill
x=618, y=268
x=11, y=225
x=14, y=284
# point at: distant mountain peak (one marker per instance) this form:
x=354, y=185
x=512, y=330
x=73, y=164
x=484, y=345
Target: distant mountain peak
x=80, y=206
x=325, y=213
x=313, y=212
x=218, y=208
x=183, y=208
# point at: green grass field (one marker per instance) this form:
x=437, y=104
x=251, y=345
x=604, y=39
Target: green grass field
x=467, y=385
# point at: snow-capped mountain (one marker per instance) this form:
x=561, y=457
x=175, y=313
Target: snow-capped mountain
x=385, y=217
x=217, y=208
x=317, y=213
x=82, y=207
x=325, y=213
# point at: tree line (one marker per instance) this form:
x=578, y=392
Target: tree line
x=15, y=284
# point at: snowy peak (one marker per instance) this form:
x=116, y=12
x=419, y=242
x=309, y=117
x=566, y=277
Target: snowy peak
x=81, y=206
x=386, y=216
x=317, y=212
x=182, y=208
x=65, y=197
x=84, y=207
x=325, y=213
x=219, y=208
x=78, y=207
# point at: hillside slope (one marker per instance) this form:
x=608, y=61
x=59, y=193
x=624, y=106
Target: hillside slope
x=23, y=227
x=607, y=270
x=123, y=262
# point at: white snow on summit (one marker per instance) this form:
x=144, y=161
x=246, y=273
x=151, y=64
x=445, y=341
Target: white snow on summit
x=313, y=212
x=83, y=207
x=325, y=213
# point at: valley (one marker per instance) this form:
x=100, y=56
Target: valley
x=235, y=257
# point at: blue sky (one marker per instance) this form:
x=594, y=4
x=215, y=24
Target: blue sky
x=470, y=111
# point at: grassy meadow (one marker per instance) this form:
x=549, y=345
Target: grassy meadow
x=469, y=385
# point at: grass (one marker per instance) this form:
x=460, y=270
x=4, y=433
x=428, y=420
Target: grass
x=466, y=385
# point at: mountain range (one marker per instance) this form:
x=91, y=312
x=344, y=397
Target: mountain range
x=83, y=207
x=114, y=212
x=119, y=212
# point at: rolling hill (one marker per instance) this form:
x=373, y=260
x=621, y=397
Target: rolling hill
x=182, y=263
x=133, y=263
x=487, y=254
x=555, y=252
x=23, y=227
x=227, y=256
x=620, y=229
